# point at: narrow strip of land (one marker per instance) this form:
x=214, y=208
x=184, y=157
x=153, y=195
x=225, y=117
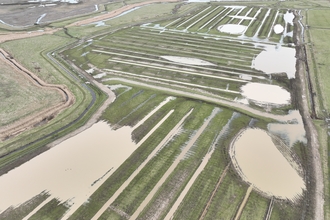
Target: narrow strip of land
x=173, y=166
x=214, y=191
x=239, y=212
x=151, y=155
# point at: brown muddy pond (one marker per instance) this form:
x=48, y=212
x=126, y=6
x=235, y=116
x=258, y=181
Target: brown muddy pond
x=259, y=162
x=72, y=170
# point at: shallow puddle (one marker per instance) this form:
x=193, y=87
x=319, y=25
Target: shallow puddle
x=276, y=59
x=278, y=29
x=188, y=60
x=72, y=170
x=260, y=163
x=232, y=28
x=266, y=94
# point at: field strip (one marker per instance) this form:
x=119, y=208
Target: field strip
x=38, y=208
x=247, y=14
x=120, y=212
x=217, y=22
x=30, y=121
x=237, y=14
x=209, y=21
x=272, y=26
x=214, y=191
x=172, y=22
x=193, y=178
x=193, y=17
x=223, y=40
x=137, y=108
x=182, y=64
x=270, y=209
x=246, y=197
x=182, y=50
x=116, y=12
x=262, y=23
x=178, y=70
x=201, y=18
x=235, y=105
x=168, y=99
x=253, y=20
x=172, y=81
x=173, y=166
x=174, y=130
x=220, y=51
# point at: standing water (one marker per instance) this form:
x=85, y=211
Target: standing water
x=260, y=163
x=72, y=170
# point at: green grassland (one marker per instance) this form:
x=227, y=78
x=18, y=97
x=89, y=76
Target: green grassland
x=20, y=97
x=318, y=61
x=138, y=50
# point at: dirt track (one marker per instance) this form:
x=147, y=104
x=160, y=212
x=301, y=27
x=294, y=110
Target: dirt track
x=116, y=12
x=43, y=116
x=27, y=34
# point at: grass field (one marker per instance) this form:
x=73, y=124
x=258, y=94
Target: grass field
x=139, y=46
x=21, y=97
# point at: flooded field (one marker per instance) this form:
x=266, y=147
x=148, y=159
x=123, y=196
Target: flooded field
x=186, y=118
x=261, y=164
x=86, y=160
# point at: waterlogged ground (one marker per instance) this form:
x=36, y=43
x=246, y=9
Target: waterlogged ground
x=231, y=59
x=72, y=170
x=261, y=164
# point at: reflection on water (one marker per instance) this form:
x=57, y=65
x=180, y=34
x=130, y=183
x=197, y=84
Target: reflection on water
x=74, y=169
x=290, y=133
x=259, y=162
x=266, y=94
x=276, y=60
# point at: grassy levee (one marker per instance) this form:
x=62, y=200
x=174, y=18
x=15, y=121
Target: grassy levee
x=255, y=208
x=54, y=209
x=24, y=209
x=130, y=199
x=109, y=187
x=204, y=185
x=32, y=142
x=165, y=197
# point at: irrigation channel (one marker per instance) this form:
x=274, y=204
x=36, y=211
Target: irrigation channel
x=165, y=140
